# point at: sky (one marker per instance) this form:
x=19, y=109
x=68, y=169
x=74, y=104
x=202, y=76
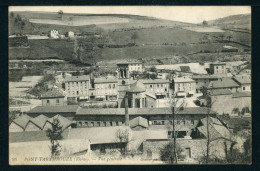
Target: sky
x=190, y=14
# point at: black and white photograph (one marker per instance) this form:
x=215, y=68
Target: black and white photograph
x=129, y=85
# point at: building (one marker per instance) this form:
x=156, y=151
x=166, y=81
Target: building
x=244, y=83
x=186, y=118
x=184, y=86
x=54, y=34
x=53, y=97
x=203, y=80
x=106, y=88
x=217, y=68
x=131, y=90
x=68, y=111
x=133, y=66
x=222, y=83
x=224, y=101
x=77, y=87
x=70, y=34
x=19, y=124
x=158, y=87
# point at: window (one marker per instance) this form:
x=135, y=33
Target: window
x=158, y=85
x=162, y=122
x=110, y=123
x=114, y=86
x=165, y=89
x=217, y=67
x=123, y=82
x=92, y=124
x=57, y=101
x=161, y=85
x=86, y=123
x=192, y=122
x=104, y=124
x=244, y=88
x=155, y=122
x=151, y=86
x=109, y=86
x=77, y=92
x=48, y=101
x=117, y=123
x=183, y=122
x=98, y=123
x=80, y=124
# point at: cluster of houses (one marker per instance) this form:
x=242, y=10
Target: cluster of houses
x=56, y=35
x=140, y=114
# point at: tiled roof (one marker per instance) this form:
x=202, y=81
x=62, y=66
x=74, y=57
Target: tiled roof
x=139, y=121
x=129, y=62
x=185, y=69
x=216, y=129
x=105, y=80
x=241, y=94
x=40, y=120
x=183, y=80
x=141, y=111
x=153, y=81
x=137, y=87
x=77, y=78
x=243, y=79
x=54, y=109
x=53, y=93
x=222, y=83
x=216, y=92
x=22, y=120
x=97, y=135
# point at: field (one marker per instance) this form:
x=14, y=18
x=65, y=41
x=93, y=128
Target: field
x=204, y=29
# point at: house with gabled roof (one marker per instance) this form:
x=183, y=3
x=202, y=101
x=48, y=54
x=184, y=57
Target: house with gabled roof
x=53, y=97
x=244, y=82
x=139, y=123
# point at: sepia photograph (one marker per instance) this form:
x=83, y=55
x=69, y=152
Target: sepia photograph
x=129, y=85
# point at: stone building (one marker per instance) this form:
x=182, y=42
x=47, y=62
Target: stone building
x=244, y=83
x=217, y=68
x=203, y=80
x=77, y=87
x=106, y=88
x=53, y=97
x=184, y=86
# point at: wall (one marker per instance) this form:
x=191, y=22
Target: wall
x=185, y=87
x=202, y=82
x=247, y=87
x=218, y=69
x=197, y=147
x=160, y=88
x=53, y=102
x=77, y=88
x=15, y=128
x=221, y=101
x=136, y=67
x=106, y=89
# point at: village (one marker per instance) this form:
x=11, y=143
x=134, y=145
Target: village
x=128, y=110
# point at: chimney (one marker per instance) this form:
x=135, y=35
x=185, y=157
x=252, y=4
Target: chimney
x=126, y=111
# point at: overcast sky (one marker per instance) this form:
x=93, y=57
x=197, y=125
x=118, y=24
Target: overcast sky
x=191, y=14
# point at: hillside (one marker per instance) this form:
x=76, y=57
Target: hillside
x=242, y=22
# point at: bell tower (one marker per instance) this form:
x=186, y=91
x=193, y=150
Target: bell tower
x=123, y=78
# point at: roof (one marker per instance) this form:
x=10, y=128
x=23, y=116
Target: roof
x=141, y=111
x=216, y=129
x=105, y=80
x=77, y=78
x=243, y=79
x=137, y=87
x=22, y=121
x=153, y=81
x=205, y=76
x=27, y=136
x=129, y=62
x=216, y=92
x=241, y=94
x=40, y=120
x=54, y=109
x=64, y=122
x=218, y=63
x=97, y=135
x=222, y=83
x=53, y=93
x=139, y=121
x=182, y=79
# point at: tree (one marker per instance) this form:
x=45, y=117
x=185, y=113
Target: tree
x=55, y=134
x=204, y=23
x=123, y=137
x=153, y=69
x=167, y=153
x=60, y=13
x=135, y=36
